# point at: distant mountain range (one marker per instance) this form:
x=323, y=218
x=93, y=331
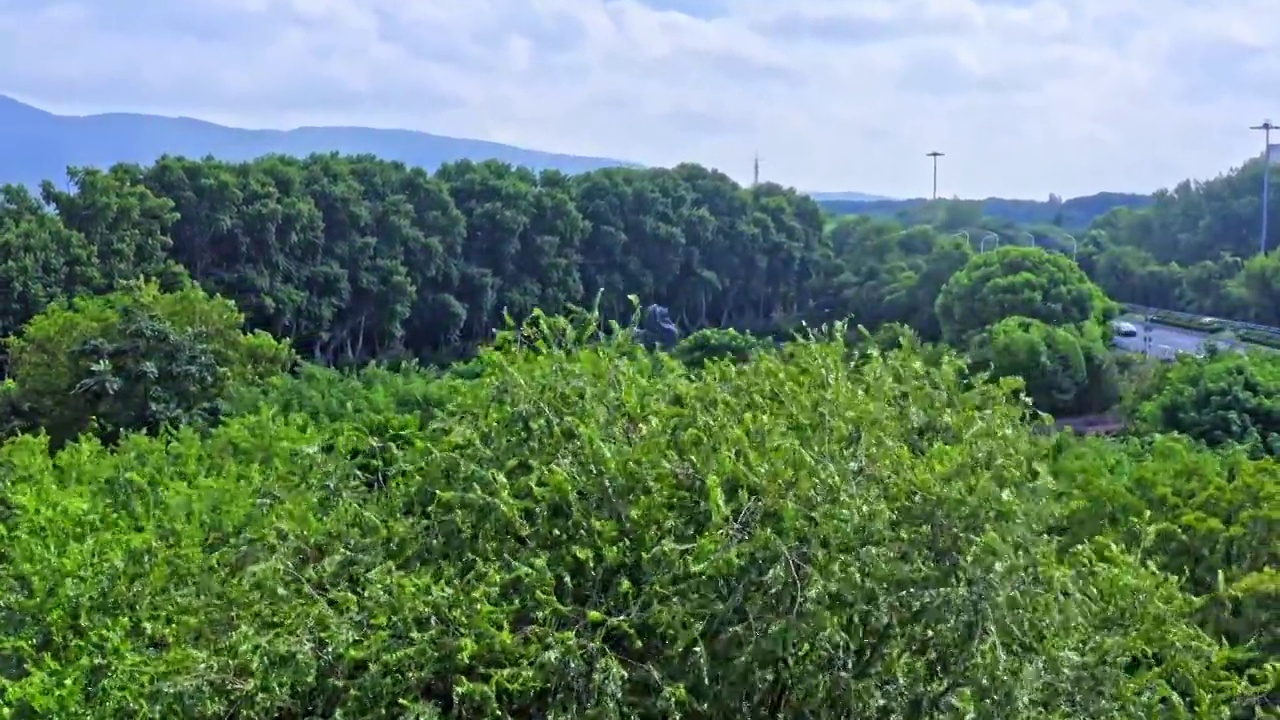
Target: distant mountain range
x=855, y=197
x=38, y=145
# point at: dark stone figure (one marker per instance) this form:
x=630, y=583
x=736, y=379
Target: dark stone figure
x=657, y=329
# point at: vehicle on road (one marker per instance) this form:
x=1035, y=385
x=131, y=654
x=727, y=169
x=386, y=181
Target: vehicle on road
x=1124, y=329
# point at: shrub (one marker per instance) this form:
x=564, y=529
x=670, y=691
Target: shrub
x=590, y=533
x=138, y=359
x=713, y=344
x=1224, y=398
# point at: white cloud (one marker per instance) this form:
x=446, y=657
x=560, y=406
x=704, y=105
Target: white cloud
x=1026, y=97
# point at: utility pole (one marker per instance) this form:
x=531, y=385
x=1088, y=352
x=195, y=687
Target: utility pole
x=1266, y=127
x=755, y=176
x=935, y=155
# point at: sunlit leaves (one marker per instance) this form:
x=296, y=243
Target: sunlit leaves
x=586, y=531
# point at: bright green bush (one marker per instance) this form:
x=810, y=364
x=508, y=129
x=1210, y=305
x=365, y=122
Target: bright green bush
x=138, y=359
x=329, y=395
x=713, y=344
x=1048, y=359
x=1209, y=519
x=1018, y=282
x=590, y=533
x=1223, y=399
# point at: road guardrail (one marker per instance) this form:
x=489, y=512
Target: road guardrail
x=1193, y=317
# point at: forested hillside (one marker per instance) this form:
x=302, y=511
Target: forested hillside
x=335, y=438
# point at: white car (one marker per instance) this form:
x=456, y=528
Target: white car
x=1124, y=329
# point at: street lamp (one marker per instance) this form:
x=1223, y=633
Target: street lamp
x=961, y=234
x=1266, y=127
x=1033, y=238
x=935, y=155
x=1075, y=246
x=982, y=246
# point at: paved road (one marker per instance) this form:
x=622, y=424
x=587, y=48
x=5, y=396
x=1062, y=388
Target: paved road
x=1176, y=339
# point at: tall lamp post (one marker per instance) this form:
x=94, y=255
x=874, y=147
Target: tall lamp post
x=982, y=246
x=1266, y=127
x=935, y=155
x=1075, y=246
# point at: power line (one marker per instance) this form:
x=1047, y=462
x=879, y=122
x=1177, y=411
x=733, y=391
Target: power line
x=1266, y=127
x=935, y=155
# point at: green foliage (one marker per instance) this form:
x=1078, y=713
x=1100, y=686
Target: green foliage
x=590, y=534
x=1018, y=282
x=1225, y=398
x=1195, y=250
x=883, y=274
x=560, y=524
x=1102, y=367
x=1067, y=370
x=11, y=409
x=1212, y=520
x=710, y=345
x=40, y=259
x=138, y=359
x=327, y=395
x=1048, y=359
x=352, y=259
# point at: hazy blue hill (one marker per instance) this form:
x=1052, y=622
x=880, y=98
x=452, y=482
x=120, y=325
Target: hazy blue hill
x=1072, y=214
x=829, y=197
x=37, y=145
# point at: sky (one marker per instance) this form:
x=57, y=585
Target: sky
x=1025, y=97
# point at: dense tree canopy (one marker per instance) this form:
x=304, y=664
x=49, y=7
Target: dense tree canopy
x=137, y=359
x=1195, y=249
x=782, y=516
x=1067, y=369
x=353, y=257
x=641, y=559
x=1224, y=399
x=1047, y=358
x=1018, y=282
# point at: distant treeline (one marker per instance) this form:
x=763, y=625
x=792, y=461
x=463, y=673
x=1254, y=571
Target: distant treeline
x=1072, y=214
